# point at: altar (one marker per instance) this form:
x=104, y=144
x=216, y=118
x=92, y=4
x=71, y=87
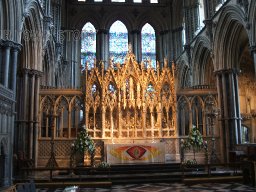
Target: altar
x=135, y=153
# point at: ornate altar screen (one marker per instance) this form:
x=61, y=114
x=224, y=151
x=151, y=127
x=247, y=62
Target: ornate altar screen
x=130, y=101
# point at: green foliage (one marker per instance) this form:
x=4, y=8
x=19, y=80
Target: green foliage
x=84, y=142
x=103, y=165
x=194, y=140
x=191, y=162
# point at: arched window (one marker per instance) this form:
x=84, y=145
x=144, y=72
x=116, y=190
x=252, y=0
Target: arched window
x=184, y=34
x=88, y=45
x=148, y=44
x=201, y=14
x=118, y=41
x=219, y=4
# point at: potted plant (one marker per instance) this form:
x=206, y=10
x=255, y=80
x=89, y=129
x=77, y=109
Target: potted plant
x=196, y=142
x=83, y=144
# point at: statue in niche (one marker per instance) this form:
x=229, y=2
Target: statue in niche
x=124, y=91
x=248, y=105
x=164, y=122
x=91, y=123
x=138, y=91
x=107, y=124
x=131, y=88
x=130, y=48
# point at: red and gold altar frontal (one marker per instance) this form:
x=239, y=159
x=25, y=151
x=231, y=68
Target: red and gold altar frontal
x=130, y=100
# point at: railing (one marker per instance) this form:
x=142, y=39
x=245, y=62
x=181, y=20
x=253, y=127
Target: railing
x=212, y=170
x=75, y=172
x=9, y=188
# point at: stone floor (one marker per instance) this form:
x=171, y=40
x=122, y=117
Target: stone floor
x=165, y=187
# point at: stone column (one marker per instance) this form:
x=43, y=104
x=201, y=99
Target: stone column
x=144, y=116
x=152, y=123
x=111, y=123
x=204, y=122
x=36, y=117
x=159, y=119
x=106, y=48
x=31, y=112
x=102, y=46
x=103, y=121
x=14, y=52
x=253, y=53
x=230, y=109
x=237, y=105
x=69, y=123
x=24, y=114
x=134, y=39
x=1, y=64
x=163, y=46
x=119, y=114
x=190, y=119
x=225, y=113
x=6, y=48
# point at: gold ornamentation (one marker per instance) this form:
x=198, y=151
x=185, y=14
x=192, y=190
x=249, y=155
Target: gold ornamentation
x=131, y=98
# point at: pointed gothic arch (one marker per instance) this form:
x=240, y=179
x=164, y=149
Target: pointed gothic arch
x=148, y=45
x=88, y=45
x=118, y=42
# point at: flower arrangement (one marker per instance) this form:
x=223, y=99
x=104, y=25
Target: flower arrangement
x=196, y=142
x=103, y=165
x=84, y=142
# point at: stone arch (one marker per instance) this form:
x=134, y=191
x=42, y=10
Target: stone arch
x=156, y=22
x=4, y=146
x=197, y=107
x=227, y=35
x=252, y=23
x=3, y=161
x=183, y=115
x=184, y=76
x=85, y=18
x=31, y=37
x=48, y=65
x=127, y=21
x=10, y=19
x=4, y=16
x=178, y=21
x=200, y=59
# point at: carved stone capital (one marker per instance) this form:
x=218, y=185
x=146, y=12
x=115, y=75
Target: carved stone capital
x=47, y=19
x=164, y=32
x=253, y=49
x=178, y=29
x=10, y=44
x=135, y=31
x=102, y=31
x=225, y=71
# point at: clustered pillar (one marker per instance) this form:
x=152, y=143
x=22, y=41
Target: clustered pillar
x=27, y=116
x=8, y=63
x=230, y=111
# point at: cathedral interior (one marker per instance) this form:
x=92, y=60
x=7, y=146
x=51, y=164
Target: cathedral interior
x=132, y=71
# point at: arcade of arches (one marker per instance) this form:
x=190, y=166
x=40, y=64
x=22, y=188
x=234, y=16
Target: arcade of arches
x=131, y=72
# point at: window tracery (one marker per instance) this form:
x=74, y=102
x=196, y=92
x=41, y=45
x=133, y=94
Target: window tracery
x=88, y=46
x=118, y=42
x=148, y=45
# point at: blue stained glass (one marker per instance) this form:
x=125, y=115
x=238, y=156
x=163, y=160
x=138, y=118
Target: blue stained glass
x=88, y=45
x=148, y=43
x=118, y=41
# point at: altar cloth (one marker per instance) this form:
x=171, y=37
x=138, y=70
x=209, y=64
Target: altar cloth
x=135, y=153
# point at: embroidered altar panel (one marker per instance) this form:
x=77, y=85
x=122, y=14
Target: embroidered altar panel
x=135, y=153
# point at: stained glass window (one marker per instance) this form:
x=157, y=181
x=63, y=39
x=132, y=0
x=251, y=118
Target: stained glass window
x=148, y=43
x=118, y=42
x=88, y=45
